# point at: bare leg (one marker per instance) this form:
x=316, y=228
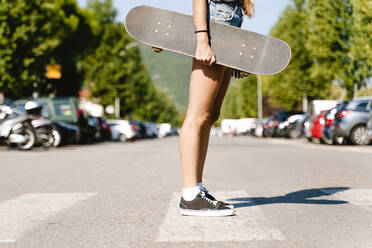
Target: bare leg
x=204, y=86
x=216, y=108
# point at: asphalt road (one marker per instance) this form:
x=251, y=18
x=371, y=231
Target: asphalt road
x=286, y=193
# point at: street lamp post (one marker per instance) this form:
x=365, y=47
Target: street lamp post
x=117, y=108
x=259, y=98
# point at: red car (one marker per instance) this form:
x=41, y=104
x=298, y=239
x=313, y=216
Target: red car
x=318, y=125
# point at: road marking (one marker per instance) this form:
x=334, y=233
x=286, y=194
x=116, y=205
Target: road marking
x=19, y=215
x=248, y=224
x=360, y=197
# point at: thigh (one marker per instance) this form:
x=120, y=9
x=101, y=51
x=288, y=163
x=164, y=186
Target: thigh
x=222, y=91
x=205, y=82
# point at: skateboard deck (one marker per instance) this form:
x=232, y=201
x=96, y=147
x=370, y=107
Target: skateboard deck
x=234, y=47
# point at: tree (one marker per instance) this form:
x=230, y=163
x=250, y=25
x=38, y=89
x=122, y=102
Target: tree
x=33, y=34
x=247, y=95
x=113, y=68
x=360, y=66
x=230, y=106
x=287, y=88
x=328, y=39
x=331, y=51
x=340, y=41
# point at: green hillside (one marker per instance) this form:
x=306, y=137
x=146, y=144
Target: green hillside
x=170, y=72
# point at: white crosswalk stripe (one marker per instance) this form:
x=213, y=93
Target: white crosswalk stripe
x=249, y=224
x=19, y=215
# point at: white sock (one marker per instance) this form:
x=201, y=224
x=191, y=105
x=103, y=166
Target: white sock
x=189, y=194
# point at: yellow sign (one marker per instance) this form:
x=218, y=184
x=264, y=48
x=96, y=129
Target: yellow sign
x=53, y=71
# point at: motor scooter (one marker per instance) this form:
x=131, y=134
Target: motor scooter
x=44, y=128
x=16, y=129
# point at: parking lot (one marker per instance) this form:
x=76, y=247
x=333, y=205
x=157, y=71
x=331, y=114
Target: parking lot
x=288, y=193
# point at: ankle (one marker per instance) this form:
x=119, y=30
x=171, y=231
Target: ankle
x=201, y=186
x=189, y=194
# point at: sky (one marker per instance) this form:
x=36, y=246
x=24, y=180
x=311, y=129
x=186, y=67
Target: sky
x=267, y=11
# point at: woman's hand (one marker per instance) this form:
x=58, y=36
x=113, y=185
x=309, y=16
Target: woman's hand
x=204, y=53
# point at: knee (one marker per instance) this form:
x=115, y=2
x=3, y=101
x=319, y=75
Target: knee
x=200, y=120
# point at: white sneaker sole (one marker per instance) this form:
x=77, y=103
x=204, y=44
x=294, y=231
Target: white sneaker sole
x=230, y=206
x=209, y=213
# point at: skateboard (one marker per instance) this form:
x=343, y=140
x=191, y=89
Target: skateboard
x=234, y=47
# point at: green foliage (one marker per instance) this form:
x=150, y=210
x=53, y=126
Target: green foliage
x=287, y=88
x=34, y=33
x=113, y=68
x=328, y=40
x=173, y=78
x=247, y=96
x=360, y=66
x=331, y=42
x=241, y=99
x=229, y=108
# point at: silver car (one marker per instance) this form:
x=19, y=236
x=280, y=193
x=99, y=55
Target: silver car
x=351, y=121
x=369, y=126
x=121, y=130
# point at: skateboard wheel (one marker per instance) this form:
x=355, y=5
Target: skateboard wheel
x=157, y=50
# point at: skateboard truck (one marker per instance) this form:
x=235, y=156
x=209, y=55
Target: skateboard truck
x=157, y=50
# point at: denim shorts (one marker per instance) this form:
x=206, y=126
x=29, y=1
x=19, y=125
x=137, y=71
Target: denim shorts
x=226, y=13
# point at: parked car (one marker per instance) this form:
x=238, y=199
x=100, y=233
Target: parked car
x=94, y=129
x=318, y=125
x=104, y=129
x=229, y=126
x=306, y=128
x=257, y=129
x=16, y=129
x=174, y=131
x=327, y=136
x=280, y=119
x=268, y=127
x=292, y=127
x=121, y=130
x=166, y=129
x=317, y=106
x=245, y=125
x=64, y=113
x=369, y=126
x=66, y=133
x=351, y=121
x=43, y=127
x=151, y=130
x=139, y=128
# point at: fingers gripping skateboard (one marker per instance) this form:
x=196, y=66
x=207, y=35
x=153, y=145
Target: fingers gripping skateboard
x=157, y=50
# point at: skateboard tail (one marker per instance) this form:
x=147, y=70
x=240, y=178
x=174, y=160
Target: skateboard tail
x=129, y=18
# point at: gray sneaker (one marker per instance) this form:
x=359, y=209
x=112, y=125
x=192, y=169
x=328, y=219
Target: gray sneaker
x=214, y=199
x=204, y=206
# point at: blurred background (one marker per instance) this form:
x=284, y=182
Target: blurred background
x=69, y=73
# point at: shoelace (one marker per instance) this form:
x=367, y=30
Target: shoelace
x=203, y=196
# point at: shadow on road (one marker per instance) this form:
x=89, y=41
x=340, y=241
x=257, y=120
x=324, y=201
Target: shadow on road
x=298, y=197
